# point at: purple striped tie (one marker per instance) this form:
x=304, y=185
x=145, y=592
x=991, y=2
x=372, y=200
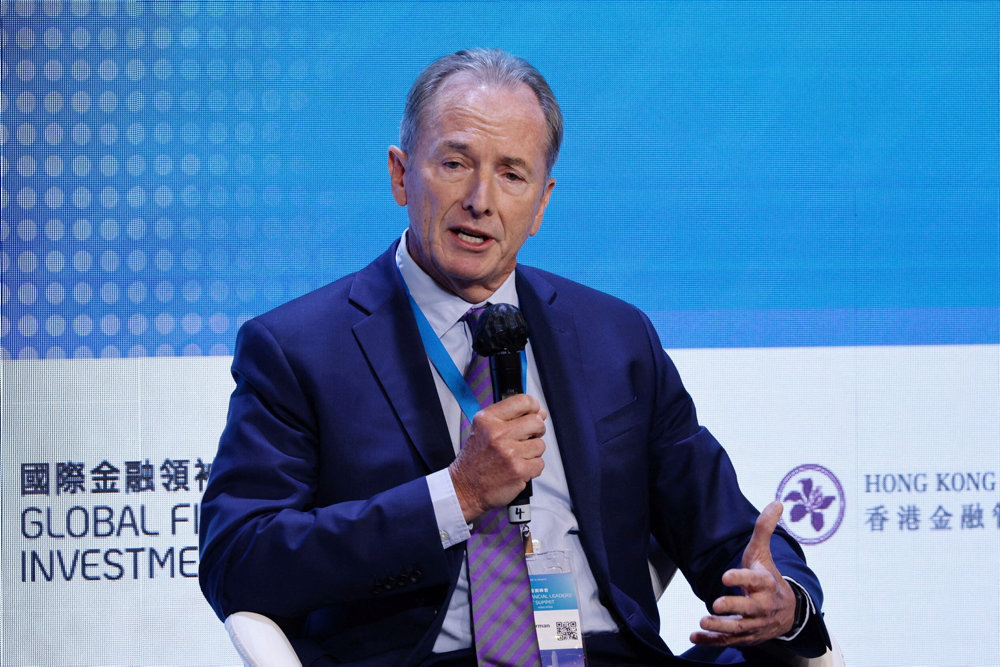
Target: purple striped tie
x=498, y=576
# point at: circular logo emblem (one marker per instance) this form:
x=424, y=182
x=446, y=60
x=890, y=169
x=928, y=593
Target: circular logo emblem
x=814, y=503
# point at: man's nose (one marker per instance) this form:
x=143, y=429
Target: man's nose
x=479, y=200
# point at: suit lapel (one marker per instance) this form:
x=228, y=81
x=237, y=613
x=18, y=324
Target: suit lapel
x=390, y=341
x=560, y=366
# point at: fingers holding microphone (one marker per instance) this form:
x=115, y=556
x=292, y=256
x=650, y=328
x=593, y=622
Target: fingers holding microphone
x=503, y=452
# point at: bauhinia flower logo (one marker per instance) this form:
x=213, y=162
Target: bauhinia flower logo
x=802, y=492
x=809, y=503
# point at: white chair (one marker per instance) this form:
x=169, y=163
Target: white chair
x=261, y=643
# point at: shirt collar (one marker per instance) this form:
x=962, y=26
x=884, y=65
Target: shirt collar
x=442, y=308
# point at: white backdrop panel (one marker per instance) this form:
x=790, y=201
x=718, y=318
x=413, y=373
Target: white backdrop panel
x=924, y=583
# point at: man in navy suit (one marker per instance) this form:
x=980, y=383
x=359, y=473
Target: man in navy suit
x=341, y=502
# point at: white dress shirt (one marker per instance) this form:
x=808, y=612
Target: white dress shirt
x=553, y=523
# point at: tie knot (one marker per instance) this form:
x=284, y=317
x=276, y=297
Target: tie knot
x=472, y=316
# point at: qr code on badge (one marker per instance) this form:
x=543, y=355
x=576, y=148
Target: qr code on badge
x=566, y=630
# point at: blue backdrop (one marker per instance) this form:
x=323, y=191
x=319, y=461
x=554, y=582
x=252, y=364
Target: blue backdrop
x=750, y=174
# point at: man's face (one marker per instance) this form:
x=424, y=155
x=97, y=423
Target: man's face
x=475, y=184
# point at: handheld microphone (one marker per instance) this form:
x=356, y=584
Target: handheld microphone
x=500, y=336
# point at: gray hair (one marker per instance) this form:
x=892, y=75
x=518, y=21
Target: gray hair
x=491, y=66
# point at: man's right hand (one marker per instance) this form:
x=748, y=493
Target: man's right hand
x=503, y=453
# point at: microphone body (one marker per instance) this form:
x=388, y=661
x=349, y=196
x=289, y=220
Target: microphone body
x=500, y=336
x=507, y=381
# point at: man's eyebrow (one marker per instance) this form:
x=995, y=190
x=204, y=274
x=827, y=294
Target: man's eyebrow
x=456, y=146
x=515, y=162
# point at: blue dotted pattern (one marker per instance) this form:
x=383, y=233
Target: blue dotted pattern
x=169, y=169
x=146, y=173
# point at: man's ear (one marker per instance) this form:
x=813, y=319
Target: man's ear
x=543, y=202
x=397, y=169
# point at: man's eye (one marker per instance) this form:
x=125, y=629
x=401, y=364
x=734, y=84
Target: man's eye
x=511, y=176
x=451, y=164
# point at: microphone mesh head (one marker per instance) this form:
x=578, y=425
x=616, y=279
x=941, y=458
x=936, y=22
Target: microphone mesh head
x=501, y=328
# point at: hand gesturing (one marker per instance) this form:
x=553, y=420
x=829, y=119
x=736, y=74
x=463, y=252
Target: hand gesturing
x=767, y=607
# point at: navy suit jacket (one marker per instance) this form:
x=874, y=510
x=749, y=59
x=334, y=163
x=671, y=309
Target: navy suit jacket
x=317, y=513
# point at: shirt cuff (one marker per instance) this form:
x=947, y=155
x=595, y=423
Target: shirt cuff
x=452, y=527
x=809, y=610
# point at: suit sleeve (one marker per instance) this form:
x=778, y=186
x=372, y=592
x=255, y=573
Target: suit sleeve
x=271, y=541
x=699, y=514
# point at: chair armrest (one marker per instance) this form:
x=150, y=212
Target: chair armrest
x=259, y=641
x=832, y=658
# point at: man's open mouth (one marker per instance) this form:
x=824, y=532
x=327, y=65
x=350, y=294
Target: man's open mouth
x=471, y=237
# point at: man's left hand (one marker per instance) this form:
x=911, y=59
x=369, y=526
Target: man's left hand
x=767, y=607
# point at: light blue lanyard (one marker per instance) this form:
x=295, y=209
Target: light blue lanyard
x=444, y=364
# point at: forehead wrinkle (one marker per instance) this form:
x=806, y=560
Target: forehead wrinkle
x=461, y=105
